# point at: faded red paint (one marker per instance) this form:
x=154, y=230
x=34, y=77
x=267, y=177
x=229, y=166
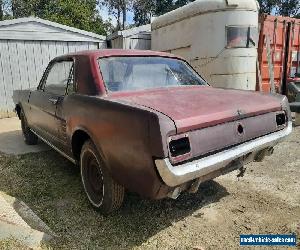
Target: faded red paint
x=120, y=52
x=131, y=129
x=195, y=107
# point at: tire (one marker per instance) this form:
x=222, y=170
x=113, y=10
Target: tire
x=102, y=191
x=29, y=137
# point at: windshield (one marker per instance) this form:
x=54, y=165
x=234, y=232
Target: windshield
x=139, y=73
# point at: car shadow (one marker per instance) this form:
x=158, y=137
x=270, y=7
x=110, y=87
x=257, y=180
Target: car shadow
x=150, y=217
x=51, y=187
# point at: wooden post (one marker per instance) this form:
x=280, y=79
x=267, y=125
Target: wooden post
x=270, y=64
x=259, y=76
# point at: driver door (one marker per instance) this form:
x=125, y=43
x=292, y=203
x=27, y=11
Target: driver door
x=49, y=95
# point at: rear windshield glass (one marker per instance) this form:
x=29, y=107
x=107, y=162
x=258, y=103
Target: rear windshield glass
x=139, y=73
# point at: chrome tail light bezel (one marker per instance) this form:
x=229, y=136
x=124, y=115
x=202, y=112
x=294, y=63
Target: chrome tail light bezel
x=186, y=154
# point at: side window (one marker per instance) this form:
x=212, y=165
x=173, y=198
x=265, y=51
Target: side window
x=60, y=78
x=241, y=37
x=71, y=82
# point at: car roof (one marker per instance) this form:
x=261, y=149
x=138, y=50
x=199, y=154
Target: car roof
x=116, y=52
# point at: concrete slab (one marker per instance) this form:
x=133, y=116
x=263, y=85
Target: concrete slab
x=11, y=139
x=31, y=238
x=19, y=222
x=10, y=215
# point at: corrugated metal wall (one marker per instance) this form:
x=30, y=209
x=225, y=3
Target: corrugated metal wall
x=26, y=47
x=142, y=42
x=134, y=38
x=22, y=64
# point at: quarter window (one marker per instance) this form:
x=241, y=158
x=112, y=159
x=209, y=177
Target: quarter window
x=60, y=78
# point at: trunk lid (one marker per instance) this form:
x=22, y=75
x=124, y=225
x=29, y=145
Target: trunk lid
x=195, y=107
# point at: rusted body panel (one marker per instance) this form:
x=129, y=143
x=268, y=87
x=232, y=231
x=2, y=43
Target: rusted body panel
x=229, y=130
x=284, y=36
x=123, y=136
x=133, y=130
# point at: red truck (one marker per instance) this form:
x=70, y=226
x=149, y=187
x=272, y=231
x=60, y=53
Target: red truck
x=145, y=121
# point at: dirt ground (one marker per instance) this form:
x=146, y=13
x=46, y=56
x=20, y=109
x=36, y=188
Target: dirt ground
x=266, y=200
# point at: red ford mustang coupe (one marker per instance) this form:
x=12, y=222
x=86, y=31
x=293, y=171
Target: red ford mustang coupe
x=147, y=122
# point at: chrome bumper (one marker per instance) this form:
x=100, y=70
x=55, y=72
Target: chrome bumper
x=176, y=175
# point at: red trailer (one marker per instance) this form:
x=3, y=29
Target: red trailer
x=278, y=53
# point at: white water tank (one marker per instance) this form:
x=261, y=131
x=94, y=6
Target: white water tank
x=217, y=37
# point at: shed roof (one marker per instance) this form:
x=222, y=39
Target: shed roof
x=200, y=7
x=141, y=30
x=32, y=28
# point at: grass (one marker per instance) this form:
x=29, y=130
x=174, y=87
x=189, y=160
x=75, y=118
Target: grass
x=52, y=188
x=9, y=244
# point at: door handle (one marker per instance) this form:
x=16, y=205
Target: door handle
x=53, y=101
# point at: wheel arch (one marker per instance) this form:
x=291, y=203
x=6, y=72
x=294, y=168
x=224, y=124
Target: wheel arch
x=18, y=109
x=79, y=137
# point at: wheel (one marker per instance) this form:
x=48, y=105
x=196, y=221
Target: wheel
x=102, y=191
x=29, y=137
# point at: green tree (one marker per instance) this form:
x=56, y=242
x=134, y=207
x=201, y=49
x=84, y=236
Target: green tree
x=267, y=6
x=82, y=14
x=5, y=9
x=144, y=9
x=180, y=3
x=118, y=8
x=163, y=6
x=288, y=7
x=280, y=7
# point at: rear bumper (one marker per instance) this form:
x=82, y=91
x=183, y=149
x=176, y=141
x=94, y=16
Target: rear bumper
x=176, y=175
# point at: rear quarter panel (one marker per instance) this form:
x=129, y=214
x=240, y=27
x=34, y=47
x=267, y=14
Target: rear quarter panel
x=21, y=98
x=127, y=137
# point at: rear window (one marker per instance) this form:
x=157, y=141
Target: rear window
x=139, y=73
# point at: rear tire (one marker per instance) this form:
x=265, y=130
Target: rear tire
x=29, y=137
x=102, y=191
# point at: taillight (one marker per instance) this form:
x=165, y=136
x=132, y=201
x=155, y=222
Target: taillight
x=280, y=119
x=180, y=146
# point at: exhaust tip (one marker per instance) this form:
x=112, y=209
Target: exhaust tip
x=175, y=193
